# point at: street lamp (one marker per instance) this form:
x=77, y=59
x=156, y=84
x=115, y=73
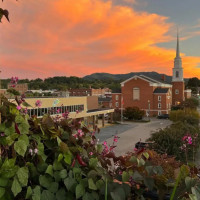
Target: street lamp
x=149, y=109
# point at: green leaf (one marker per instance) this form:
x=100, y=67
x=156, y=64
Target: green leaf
x=24, y=138
x=2, y=127
x=99, y=184
x=45, y=181
x=141, y=162
x=190, y=182
x=68, y=159
x=19, y=119
x=24, y=128
x=133, y=159
x=11, y=138
x=69, y=183
x=146, y=155
x=2, y=191
x=91, y=184
x=49, y=170
x=57, y=166
x=25, y=104
x=41, y=151
x=47, y=195
x=196, y=192
x=80, y=191
x=149, y=182
x=93, y=162
x=149, y=170
x=22, y=175
x=61, y=194
x=137, y=176
x=53, y=187
x=10, y=130
x=36, y=193
x=63, y=173
x=29, y=193
x=99, y=148
x=88, y=196
x=125, y=176
x=3, y=182
x=16, y=187
x=60, y=157
x=192, y=197
x=20, y=147
x=118, y=194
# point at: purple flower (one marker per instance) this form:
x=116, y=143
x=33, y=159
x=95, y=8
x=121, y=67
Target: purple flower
x=2, y=134
x=80, y=132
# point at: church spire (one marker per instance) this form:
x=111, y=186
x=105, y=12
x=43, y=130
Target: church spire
x=177, y=47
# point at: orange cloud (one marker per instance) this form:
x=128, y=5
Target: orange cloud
x=66, y=37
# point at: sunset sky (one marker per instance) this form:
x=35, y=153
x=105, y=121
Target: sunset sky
x=48, y=38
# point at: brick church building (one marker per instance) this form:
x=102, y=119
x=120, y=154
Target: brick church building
x=155, y=97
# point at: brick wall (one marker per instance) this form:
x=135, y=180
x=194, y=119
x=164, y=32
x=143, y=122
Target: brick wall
x=176, y=98
x=116, y=100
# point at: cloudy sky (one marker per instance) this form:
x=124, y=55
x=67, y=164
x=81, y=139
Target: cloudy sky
x=78, y=37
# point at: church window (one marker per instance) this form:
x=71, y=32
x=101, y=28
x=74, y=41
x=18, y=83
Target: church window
x=136, y=93
x=177, y=74
x=176, y=91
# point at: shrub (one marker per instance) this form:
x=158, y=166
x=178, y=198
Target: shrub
x=190, y=116
x=169, y=140
x=133, y=113
x=192, y=103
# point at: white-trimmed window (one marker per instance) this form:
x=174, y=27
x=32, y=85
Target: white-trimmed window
x=117, y=97
x=116, y=104
x=159, y=98
x=159, y=105
x=159, y=113
x=136, y=93
x=176, y=91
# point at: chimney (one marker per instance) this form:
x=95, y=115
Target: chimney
x=163, y=78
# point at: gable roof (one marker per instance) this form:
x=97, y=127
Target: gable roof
x=148, y=79
x=161, y=90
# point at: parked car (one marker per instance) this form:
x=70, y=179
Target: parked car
x=163, y=116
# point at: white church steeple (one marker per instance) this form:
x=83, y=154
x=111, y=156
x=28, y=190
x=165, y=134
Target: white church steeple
x=177, y=70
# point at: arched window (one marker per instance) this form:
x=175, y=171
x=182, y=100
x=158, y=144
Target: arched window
x=136, y=93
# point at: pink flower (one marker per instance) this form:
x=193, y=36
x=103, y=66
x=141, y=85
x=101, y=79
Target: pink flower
x=80, y=132
x=65, y=115
x=31, y=151
x=115, y=138
x=58, y=111
x=77, y=111
x=184, y=138
x=25, y=110
x=75, y=135
x=38, y=103
x=135, y=149
x=14, y=81
x=19, y=107
x=105, y=143
x=2, y=134
x=35, y=151
x=91, y=153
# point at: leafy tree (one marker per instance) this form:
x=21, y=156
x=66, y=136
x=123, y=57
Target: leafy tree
x=133, y=113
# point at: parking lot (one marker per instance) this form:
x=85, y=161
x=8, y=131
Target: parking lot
x=130, y=133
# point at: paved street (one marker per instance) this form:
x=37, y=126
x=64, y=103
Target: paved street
x=130, y=133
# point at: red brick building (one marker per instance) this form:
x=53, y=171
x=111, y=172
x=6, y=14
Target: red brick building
x=147, y=94
x=89, y=92
x=153, y=96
